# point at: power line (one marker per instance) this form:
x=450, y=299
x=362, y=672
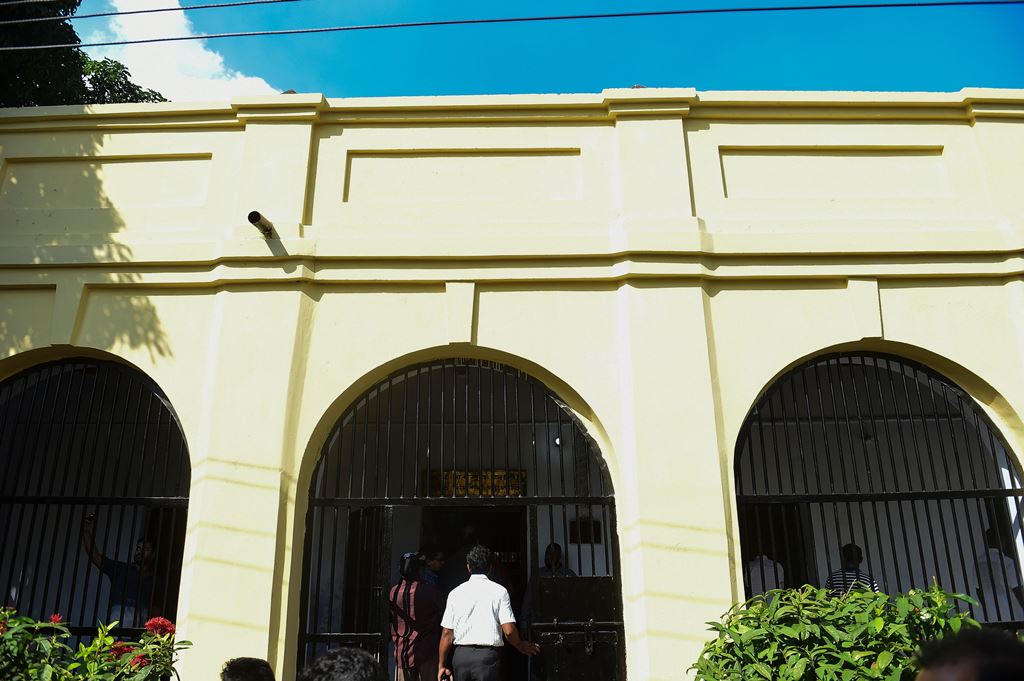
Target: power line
x=511, y=20
x=11, y=3
x=238, y=3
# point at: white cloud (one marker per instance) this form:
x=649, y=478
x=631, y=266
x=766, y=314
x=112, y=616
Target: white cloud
x=180, y=71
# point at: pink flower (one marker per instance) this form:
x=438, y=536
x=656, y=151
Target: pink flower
x=160, y=626
x=56, y=618
x=139, y=661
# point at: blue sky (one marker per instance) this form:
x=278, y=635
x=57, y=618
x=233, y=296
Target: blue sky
x=936, y=49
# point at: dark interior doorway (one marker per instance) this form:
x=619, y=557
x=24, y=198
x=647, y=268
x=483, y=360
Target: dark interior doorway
x=503, y=530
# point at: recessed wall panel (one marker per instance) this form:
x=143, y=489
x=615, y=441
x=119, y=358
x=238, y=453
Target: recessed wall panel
x=834, y=173
x=105, y=183
x=25, y=319
x=830, y=176
x=463, y=175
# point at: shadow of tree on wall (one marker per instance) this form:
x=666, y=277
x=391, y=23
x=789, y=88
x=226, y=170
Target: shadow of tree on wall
x=67, y=281
x=61, y=228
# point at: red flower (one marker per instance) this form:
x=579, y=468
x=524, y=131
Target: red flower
x=119, y=649
x=160, y=626
x=139, y=661
x=56, y=618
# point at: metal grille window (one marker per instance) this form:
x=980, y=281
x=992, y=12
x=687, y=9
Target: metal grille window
x=94, y=481
x=877, y=451
x=441, y=448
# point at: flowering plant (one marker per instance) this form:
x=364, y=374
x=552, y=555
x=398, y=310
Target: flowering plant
x=31, y=650
x=807, y=634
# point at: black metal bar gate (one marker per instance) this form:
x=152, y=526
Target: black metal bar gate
x=448, y=451
x=881, y=452
x=94, y=484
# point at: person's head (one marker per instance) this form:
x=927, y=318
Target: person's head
x=246, y=669
x=410, y=565
x=145, y=554
x=434, y=557
x=852, y=556
x=972, y=655
x=553, y=556
x=344, y=664
x=478, y=560
x=469, y=535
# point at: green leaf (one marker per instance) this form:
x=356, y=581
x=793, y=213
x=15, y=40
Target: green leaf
x=883, y=660
x=835, y=633
x=752, y=635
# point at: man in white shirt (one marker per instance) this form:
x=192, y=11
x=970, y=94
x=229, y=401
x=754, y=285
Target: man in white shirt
x=477, y=619
x=765, y=575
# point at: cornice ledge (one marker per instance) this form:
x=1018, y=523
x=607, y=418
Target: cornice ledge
x=980, y=110
x=653, y=103
x=466, y=109
x=992, y=103
x=280, y=108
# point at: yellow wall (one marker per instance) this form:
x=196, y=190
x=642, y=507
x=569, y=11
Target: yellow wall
x=656, y=256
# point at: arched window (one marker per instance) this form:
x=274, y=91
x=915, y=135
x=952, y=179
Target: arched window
x=444, y=454
x=94, y=482
x=882, y=453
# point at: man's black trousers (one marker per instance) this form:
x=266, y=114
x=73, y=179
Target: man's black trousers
x=476, y=663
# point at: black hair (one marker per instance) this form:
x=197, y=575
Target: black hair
x=995, y=654
x=852, y=554
x=246, y=669
x=344, y=664
x=410, y=564
x=479, y=559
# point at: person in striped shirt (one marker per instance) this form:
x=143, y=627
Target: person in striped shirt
x=850, y=576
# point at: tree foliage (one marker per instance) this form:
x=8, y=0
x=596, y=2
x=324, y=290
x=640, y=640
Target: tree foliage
x=58, y=76
x=807, y=634
x=108, y=81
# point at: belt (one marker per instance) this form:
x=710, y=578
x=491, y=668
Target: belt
x=470, y=645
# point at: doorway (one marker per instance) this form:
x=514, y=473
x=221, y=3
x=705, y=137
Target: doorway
x=503, y=530
x=93, y=440
x=452, y=453
x=882, y=452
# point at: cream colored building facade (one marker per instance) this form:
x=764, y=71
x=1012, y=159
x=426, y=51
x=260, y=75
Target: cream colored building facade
x=655, y=257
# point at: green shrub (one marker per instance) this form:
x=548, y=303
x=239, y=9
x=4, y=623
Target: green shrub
x=806, y=633
x=36, y=651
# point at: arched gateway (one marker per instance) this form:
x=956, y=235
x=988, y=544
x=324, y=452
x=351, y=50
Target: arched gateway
x=881, y=452
x=91, y=450
x=442, y=451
